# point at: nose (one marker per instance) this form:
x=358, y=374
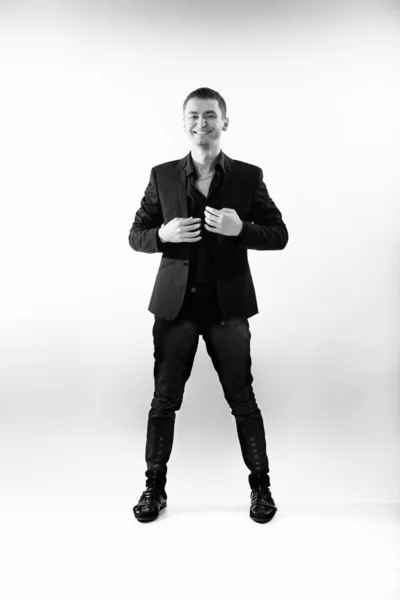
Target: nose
x=202, y=122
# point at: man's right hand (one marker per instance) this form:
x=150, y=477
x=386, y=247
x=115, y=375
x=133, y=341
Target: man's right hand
x=181, y=230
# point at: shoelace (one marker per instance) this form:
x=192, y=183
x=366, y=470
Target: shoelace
x=261, y=495
x=146, y=497
x=261, y=489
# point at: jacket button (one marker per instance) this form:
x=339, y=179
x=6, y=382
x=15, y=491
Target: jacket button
x=193, y=289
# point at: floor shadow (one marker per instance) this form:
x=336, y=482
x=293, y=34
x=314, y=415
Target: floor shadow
x=355, y=511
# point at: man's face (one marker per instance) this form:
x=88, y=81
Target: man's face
x=203, y=122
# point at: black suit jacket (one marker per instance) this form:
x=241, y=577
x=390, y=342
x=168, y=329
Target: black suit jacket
x=165, y=198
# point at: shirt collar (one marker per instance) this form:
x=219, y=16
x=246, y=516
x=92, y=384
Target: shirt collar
x=220, y=163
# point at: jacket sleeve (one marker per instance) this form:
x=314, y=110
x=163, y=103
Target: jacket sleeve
x=143, y=235
x=263, y=228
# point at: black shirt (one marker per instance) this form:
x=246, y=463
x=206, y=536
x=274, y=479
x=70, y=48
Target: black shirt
x=201, y=294
x=201, y=263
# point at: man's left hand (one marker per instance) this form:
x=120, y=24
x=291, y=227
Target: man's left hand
x=225, y=221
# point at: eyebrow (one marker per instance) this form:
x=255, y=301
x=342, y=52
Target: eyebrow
x=194, y=112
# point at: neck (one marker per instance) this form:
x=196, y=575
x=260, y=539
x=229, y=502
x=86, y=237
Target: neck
x=204, y=159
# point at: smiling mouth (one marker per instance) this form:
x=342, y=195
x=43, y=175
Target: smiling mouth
x=201, y=132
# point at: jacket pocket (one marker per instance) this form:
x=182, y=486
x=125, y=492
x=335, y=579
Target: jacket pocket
x=166, y=262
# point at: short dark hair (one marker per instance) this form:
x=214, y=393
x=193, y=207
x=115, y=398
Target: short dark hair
x=205, y=93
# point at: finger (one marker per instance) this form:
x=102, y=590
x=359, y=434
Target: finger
x=211, y=215
x=211, y=224
x=191, y=240
x=190, y=234
x=210, y=219
x=189, y=220
x=213, y=211
x=191, y=227
x=212, y=229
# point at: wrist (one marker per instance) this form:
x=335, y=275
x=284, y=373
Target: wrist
x=160, y=235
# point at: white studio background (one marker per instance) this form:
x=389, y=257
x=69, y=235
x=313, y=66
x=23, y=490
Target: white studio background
x=91, y=99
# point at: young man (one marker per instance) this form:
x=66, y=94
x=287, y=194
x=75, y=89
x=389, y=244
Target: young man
x=203, y=213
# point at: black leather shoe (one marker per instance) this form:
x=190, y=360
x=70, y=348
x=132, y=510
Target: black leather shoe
x=263, y=507
x=151, y=502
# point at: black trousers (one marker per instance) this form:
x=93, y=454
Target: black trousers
x=228, y=345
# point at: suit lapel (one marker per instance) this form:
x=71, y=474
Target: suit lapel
x=181, y=190
x=218, y=201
